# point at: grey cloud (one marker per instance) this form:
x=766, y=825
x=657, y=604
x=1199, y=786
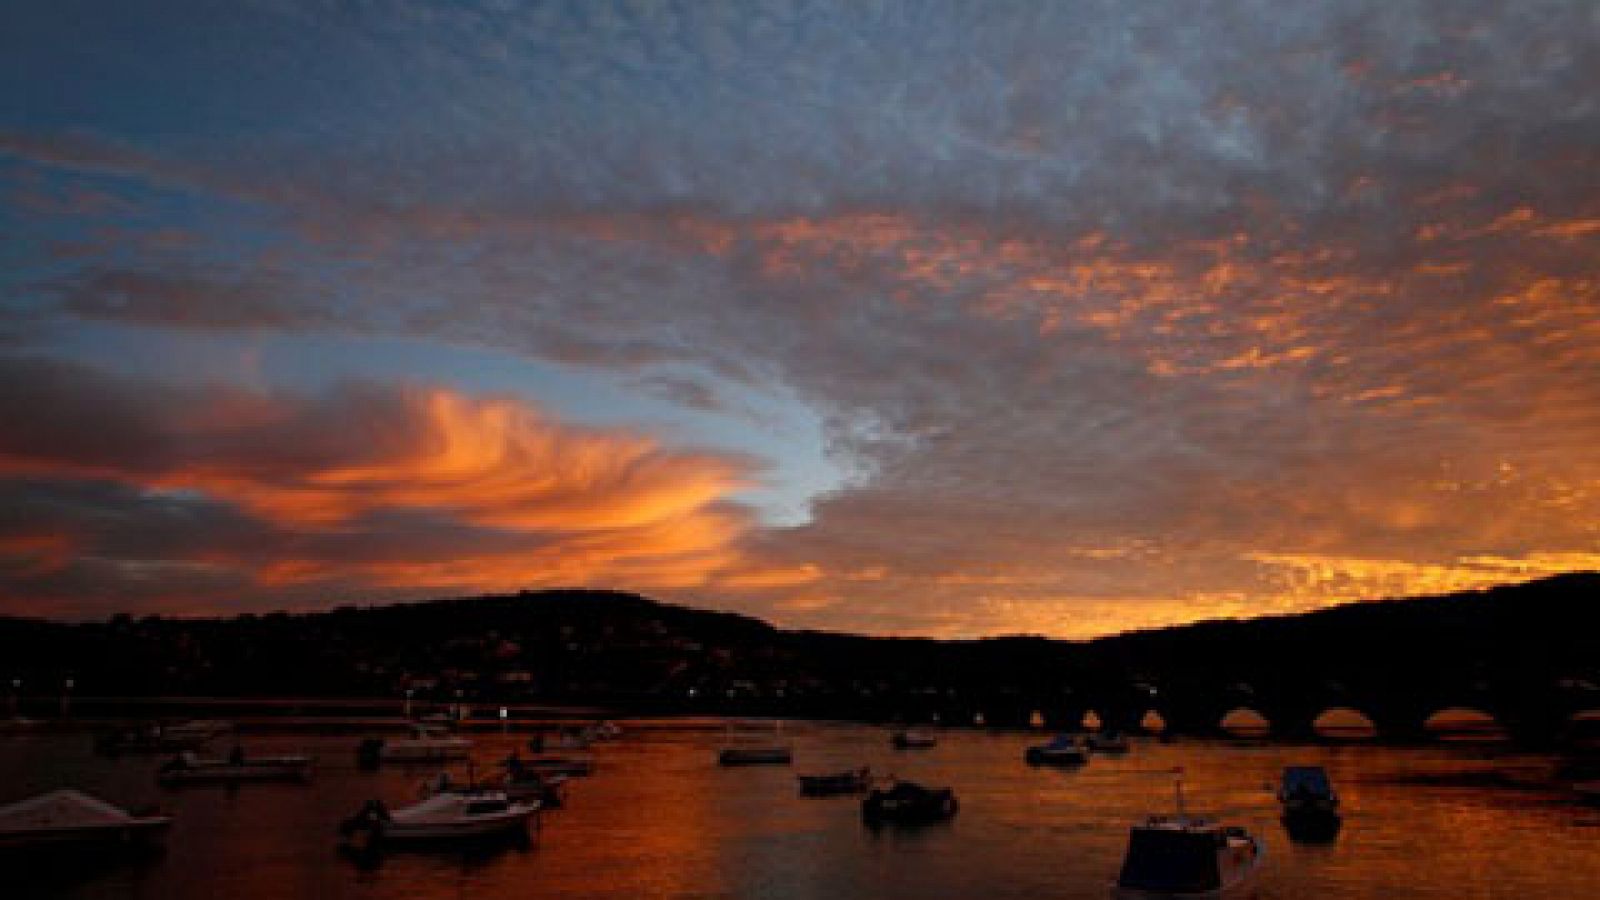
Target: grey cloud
x=1211, y=279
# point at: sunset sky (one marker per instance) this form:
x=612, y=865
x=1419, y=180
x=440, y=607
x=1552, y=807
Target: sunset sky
x=929, y=318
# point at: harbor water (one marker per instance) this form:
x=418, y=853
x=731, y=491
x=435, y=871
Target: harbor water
x=659, y=818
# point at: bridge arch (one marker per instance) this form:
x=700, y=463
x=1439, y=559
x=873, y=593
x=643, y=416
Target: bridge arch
x=1463, y=723
x=1243, y=721
x=1152, y=722
x=1344, y=723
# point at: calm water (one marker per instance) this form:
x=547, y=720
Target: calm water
x=661, y=819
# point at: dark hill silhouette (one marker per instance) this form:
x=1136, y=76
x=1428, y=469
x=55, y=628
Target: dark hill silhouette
x=1529, y=653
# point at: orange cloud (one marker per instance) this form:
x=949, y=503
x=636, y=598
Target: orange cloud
x=412, y=489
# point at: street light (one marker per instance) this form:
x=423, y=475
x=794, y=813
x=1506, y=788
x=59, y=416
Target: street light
x=407, y=713
x=66, y=698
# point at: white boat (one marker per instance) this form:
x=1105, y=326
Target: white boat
x=425, y=745
x=188, y=767
x=519, y=784
x=67, y=816
x=911, y=738
x=1062, y=750
x=443, y=816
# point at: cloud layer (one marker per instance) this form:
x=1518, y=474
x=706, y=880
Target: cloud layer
x=184, y=497
x=1113, y=315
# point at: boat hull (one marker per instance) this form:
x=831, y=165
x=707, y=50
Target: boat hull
x=486, y=826
x=138, y=832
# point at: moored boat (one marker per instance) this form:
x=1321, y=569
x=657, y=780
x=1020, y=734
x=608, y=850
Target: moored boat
x=1062, y=750
x=155, y=737
x=517, y=783
x=1108, y=743
x=187, y=767
x=425, y=745
x=908, y=803
x=854, y=781
x=1178, y=856
x=1309, y=804
x=1184, y=856
x=565, y=739
x=443, y=816
x=67, y=817
x=774, y=755
x=912, y=738
x=549, y=791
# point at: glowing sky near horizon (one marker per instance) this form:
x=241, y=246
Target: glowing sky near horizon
x=930, y=318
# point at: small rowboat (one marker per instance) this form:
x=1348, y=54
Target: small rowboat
x=188, y=768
